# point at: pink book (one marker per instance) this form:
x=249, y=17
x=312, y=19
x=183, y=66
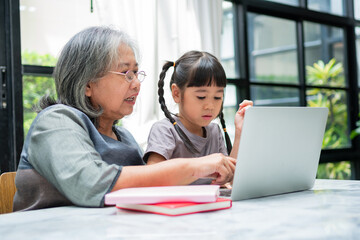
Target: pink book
x=151, y=195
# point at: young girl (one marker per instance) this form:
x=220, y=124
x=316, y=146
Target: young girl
x=197, y=86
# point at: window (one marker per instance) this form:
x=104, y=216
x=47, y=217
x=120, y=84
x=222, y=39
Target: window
x=327, y=6
x=227, y=42
x=324, y=46
x=289, y=2
x=229, y=109
x=357, y=9
x=295, y=57
x=11, y=130
x=42, y=41
x=34, y=87
x=272, y=49
x=272, y=60
x=42, y=37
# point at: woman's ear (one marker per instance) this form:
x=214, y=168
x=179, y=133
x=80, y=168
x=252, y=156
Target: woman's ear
x=88, y=90
x=176, y=93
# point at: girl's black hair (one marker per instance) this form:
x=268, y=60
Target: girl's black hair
x=193, y=69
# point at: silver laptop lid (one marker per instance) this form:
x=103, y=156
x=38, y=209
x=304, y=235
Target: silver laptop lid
x=279, y=150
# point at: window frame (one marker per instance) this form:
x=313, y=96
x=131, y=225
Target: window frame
x=11, y=115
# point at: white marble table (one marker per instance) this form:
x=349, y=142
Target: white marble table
x=331, y=210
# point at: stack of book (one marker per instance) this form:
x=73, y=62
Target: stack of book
x=170, y=200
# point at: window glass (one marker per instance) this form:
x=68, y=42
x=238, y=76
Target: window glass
x=227, y=42
x=40, y=36
x=337, y=129
x=357, y=9
x=274, y=96
x=328, y=6
x=230, y=108
x=322, y=44
x=230, y=96
x=33, y=58
x=34, y=87
x=288, y=2
x=272, y=49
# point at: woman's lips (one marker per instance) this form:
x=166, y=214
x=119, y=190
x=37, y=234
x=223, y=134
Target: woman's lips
x=131, y=100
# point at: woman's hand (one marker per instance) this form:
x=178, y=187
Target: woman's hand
x=180, y=171
x=217, y=166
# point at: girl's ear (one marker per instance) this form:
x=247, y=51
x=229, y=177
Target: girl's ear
x=176, y=93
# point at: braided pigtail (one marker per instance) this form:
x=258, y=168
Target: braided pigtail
x=227, y=138
x=187, y=142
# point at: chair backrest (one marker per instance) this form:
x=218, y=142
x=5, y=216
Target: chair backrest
x=7, y=191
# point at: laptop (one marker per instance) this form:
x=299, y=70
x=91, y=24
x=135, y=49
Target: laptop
x=279, y=151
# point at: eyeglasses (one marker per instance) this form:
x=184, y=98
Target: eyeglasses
x=131, y=75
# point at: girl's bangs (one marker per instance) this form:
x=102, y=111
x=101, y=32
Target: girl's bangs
x=207, y=73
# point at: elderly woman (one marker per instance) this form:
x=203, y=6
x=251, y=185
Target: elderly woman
x=74, y=153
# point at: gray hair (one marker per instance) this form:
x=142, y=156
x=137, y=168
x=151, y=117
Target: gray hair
x=85, y=58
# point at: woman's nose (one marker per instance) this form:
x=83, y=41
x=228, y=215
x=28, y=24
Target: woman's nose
x=135, y=83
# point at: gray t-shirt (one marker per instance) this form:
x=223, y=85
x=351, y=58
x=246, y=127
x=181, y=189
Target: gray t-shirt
x=164, y=140
x=66, y=161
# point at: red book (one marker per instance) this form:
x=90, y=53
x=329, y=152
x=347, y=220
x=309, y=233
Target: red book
x=177, y=208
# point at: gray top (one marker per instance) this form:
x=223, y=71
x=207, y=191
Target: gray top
x=66, y=161
x=164, y=140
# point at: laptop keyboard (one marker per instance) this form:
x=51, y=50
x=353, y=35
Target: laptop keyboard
x=225, y=192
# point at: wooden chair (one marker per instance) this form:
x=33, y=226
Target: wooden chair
x=7, y=191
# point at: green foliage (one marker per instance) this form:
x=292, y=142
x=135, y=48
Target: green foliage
x=33, y=58
x=336, y=134
x=356, y=131
x=325, y=74
x=34, y=87
x=340, y=170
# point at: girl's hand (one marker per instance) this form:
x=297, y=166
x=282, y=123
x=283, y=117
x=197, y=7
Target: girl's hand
x=239, y=116
x=227, y=185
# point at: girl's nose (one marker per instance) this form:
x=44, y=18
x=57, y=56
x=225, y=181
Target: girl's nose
x=209, y=106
